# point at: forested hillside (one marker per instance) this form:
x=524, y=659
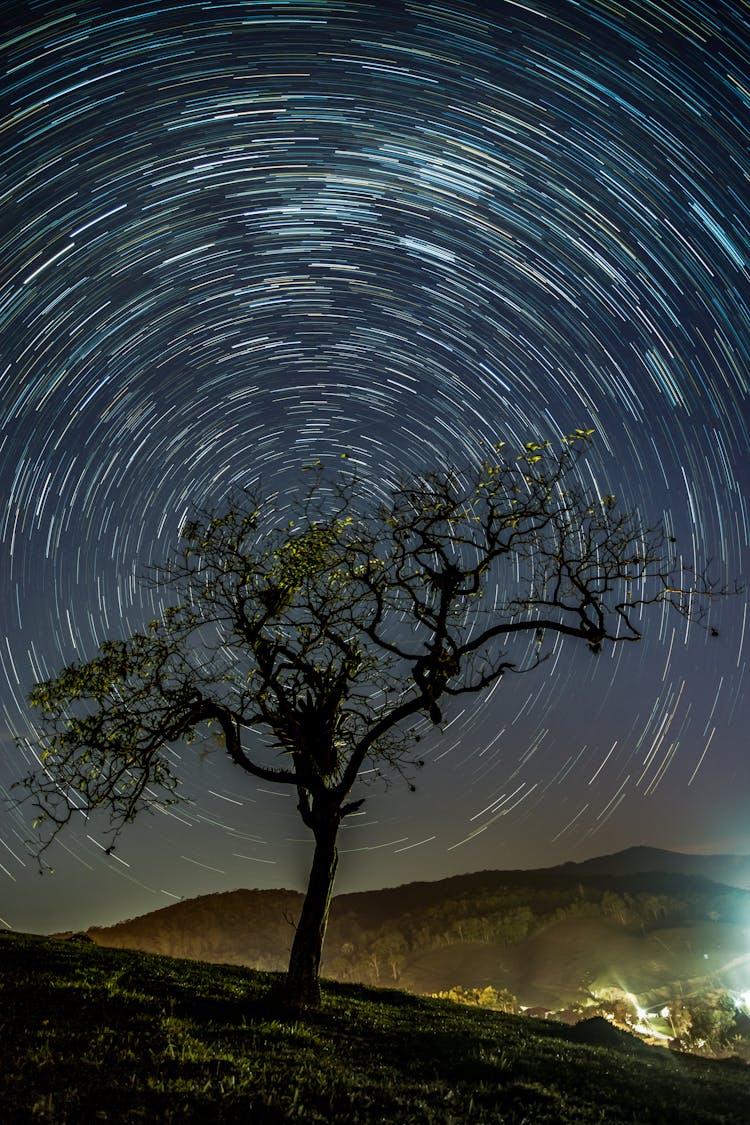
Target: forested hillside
x=546, y=935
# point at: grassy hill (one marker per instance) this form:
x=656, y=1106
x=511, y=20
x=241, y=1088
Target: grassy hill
x=92, y=1035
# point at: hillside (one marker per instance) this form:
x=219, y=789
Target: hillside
x=95, y=1034
x=551, y=937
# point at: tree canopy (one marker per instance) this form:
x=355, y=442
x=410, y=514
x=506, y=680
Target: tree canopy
x=324, y=644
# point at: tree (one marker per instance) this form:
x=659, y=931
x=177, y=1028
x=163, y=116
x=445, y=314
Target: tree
x=712, y=1022
x=679, y=1017
x=494, y=999
x=324, y=644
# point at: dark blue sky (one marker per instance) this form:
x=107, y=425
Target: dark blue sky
x=238, y=237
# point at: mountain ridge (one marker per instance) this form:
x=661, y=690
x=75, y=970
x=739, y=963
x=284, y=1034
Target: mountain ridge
x=728, y=868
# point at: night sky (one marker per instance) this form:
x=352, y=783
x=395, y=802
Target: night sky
x=240, y=237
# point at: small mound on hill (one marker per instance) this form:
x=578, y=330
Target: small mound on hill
x=598, y=1032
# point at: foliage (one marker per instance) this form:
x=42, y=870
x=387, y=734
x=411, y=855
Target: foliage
x=101, y=1035
x=710, y=1021
x=493, y=999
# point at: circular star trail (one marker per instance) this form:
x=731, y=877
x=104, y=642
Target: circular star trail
x=240, y=237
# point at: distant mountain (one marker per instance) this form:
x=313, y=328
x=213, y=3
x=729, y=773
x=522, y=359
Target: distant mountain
x=643, y=917
x=732, y=870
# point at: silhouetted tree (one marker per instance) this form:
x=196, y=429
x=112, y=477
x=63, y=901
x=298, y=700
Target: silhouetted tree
x=319, y=646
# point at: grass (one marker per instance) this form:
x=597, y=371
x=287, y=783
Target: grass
x=89, y=1034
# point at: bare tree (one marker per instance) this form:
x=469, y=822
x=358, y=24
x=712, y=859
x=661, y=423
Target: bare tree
x=323, y=645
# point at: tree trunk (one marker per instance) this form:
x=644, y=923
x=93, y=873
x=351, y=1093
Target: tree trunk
x=302, y=986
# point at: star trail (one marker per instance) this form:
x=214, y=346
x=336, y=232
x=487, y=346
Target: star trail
x=239, y=237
